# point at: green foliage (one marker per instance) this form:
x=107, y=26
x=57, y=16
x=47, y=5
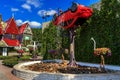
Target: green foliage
x=5, y=57
x=103, y=26
x=37, y=36
x=49, y=40
x=10, y=62
x=53, y=38
x=24, y=58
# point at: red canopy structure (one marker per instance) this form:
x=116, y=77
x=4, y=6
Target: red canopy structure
x=22, y=28
x=11, y=27
x=11, y=42
x=74, y=16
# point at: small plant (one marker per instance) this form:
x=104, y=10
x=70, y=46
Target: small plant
x=5, y=57
x=33, y=50
x=53, y=53
x=10, y=62
x=24, y=58
x=20, y=52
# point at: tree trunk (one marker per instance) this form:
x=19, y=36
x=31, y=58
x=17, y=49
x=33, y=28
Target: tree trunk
x=72, y=56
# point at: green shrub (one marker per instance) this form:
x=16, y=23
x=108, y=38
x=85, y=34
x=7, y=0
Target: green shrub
x=6, y=57
x=24, y=58
x=10, y=62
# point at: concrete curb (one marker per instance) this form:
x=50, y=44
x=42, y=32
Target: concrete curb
x=32, y=75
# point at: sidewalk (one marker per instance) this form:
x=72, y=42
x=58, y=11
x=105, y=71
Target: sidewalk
x=5, y=73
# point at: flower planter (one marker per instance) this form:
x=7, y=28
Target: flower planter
x=20, y=72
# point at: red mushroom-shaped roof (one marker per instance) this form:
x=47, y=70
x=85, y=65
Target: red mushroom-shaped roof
x=22, y=27
x=1, y=31
x=11, y=42
x=11, y=27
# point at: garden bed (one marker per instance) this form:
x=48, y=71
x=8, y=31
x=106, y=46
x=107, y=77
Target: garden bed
x=44, y=70
x=54, y=67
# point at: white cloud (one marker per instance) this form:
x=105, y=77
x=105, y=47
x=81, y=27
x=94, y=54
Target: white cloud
x=33, y=24
x=14, y=9
x=46, y=12
x=26, y=6
x=19, y=22
x=51, y=12
x=35, y=3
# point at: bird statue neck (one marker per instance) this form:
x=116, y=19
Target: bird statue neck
x=94, y=42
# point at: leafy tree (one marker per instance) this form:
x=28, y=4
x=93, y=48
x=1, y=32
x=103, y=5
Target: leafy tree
x=54, y=38
x=37, y=36
x=49, y=40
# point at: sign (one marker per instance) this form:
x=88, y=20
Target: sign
x=27, y=38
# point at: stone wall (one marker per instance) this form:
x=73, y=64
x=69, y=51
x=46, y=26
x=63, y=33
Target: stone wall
x=32, y=75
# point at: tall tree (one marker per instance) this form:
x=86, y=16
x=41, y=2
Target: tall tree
x=37, y=36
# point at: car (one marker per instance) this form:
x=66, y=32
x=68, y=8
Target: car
x=76, y=15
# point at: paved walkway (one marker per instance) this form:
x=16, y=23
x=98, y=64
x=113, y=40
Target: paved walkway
x=5, y=73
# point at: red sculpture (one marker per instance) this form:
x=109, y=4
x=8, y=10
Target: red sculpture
x=70, y=19
x=74, y=16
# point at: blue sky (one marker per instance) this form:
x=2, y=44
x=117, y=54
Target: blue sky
x=32, y=10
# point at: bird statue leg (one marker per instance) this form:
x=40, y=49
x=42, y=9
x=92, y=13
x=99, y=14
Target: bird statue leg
x=102, y=64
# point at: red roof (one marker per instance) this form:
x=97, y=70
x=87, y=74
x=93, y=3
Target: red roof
x=1, y=31
x=22, y=27
x=11, y=27
x=11, y=42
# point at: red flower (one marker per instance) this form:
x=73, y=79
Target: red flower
x=20, y=51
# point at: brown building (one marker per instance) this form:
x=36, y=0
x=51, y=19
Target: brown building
x=44, y=25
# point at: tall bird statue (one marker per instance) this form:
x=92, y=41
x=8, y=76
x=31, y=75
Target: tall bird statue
x=101, y=52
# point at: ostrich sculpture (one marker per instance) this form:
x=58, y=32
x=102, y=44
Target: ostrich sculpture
x=101, y=52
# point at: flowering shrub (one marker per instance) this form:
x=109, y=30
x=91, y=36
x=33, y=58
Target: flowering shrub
x=20, y=51
x=53, y=53
x=102, y=51
x=30, y=49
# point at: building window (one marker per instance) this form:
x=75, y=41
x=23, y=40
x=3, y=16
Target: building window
x=13, y=36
